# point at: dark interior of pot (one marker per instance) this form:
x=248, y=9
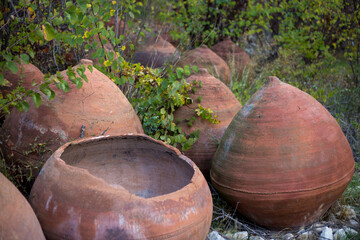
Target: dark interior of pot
x=143, y=167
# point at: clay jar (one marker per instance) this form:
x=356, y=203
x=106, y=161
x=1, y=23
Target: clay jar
x=121, y=187
x=232, y=54
x=203, y=57
x=156, y=53
x=283, y=158
x=25, y=76
x=214, y=95
x=17, y=219
x=99, y=105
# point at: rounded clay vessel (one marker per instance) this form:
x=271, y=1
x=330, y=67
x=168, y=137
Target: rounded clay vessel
x=203, y=57
x=17, y=219
x=121, y=187
x=98, y=108
x=283, y=159
x=215, y=95
x=156, y=53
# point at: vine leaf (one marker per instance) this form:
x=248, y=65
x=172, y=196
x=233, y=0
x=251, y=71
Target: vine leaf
x=49, y=32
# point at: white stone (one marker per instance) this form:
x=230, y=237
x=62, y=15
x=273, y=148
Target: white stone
x=354, y=223
x=241, y=235
x=340, y=234
x=350, y=231
x=214, y=235
x=326, y=234
x=288, y=236
x=256, y=238
x=309, y=235
x=319, y=227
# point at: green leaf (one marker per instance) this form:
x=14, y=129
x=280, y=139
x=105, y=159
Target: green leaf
x=179, y=73
x=2, y=82
x=25, y=58
x=49, y=32
x=187, y=70
x=195, y=68
x=90, y=67
x=37, y=99
x=12, y=66
x=131, y=14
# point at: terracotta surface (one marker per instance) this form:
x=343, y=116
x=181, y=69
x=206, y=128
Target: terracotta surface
x=155, y=53
x=99, y=105
x=17, y=219
x=203, y=57
x=283, y=158
x=218, y=97
x=121, y=187
x=232, y=54
x=27, y=73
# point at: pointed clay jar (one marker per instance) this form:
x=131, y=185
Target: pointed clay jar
x=203, y=57
x=17, y=219
x=214, y=95
x=283, y=159
x=30, y=137
x=156, y=53
x=232, y=54
x=121, y=187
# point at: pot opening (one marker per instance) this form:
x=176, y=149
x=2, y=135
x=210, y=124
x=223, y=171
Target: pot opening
x=141, y=166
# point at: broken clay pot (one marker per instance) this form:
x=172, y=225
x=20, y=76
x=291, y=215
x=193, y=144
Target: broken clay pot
x=283, y=159
x=121, y=187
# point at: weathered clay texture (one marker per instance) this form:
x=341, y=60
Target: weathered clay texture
x=232, y=54
x=155, y=53
x=121, y=187
x=99, y=105
x=17, y=219
x=218, y=97
x=203, y=57
x=26, y=75
x=283, y=158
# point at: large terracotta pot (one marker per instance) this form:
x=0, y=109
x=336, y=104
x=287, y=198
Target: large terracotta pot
x=283, y=158
x=25, y=76
x=232, y=54
x=121, y=187
x=218, y=97
x=30, y=137
x=203, y=57
x=156, y=53
x=17, y=219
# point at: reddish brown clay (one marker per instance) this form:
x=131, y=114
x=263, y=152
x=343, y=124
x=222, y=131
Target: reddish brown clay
x=214, y=95
x=155, y=53
x=203, y=57
x=26, y=75
x=283, y=158
x=121, y=187
x=232, y=54
x=99, y=105
x=17, y=219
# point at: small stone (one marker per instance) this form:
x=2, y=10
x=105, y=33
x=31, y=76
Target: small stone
x=350, y=231
x=319, y=227
x=309, y=235
x=326, y=234
x=340, y=234
x=288, y=236
x=214, y=235
x=241, y=235
x=354, y=223
x=256, y=238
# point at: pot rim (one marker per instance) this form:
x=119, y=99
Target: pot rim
x=196, y=177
